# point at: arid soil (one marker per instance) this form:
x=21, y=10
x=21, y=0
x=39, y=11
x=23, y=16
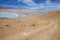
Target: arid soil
x=46, y=27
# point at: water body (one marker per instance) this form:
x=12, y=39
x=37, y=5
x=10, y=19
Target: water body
x=7, y=15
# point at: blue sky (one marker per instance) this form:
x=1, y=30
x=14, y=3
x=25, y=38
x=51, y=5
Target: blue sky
x=32, y=4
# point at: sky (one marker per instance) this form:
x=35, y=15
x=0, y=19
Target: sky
x=32, y=4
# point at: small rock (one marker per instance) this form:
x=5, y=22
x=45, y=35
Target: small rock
x=33, y=25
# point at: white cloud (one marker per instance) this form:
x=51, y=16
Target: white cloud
x=48, y=4
x=28, y=2
x=48, y=1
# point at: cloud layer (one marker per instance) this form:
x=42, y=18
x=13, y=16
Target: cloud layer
x=32, y=4
x=47, y=5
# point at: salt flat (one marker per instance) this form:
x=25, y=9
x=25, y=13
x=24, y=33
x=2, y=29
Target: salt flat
x=25, y=12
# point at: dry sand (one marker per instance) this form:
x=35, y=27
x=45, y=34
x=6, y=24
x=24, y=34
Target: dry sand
x=46, y=27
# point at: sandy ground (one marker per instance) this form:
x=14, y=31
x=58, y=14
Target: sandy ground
x=46, y=27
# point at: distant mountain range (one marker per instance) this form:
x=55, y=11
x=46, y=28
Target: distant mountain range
x=5, y=7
